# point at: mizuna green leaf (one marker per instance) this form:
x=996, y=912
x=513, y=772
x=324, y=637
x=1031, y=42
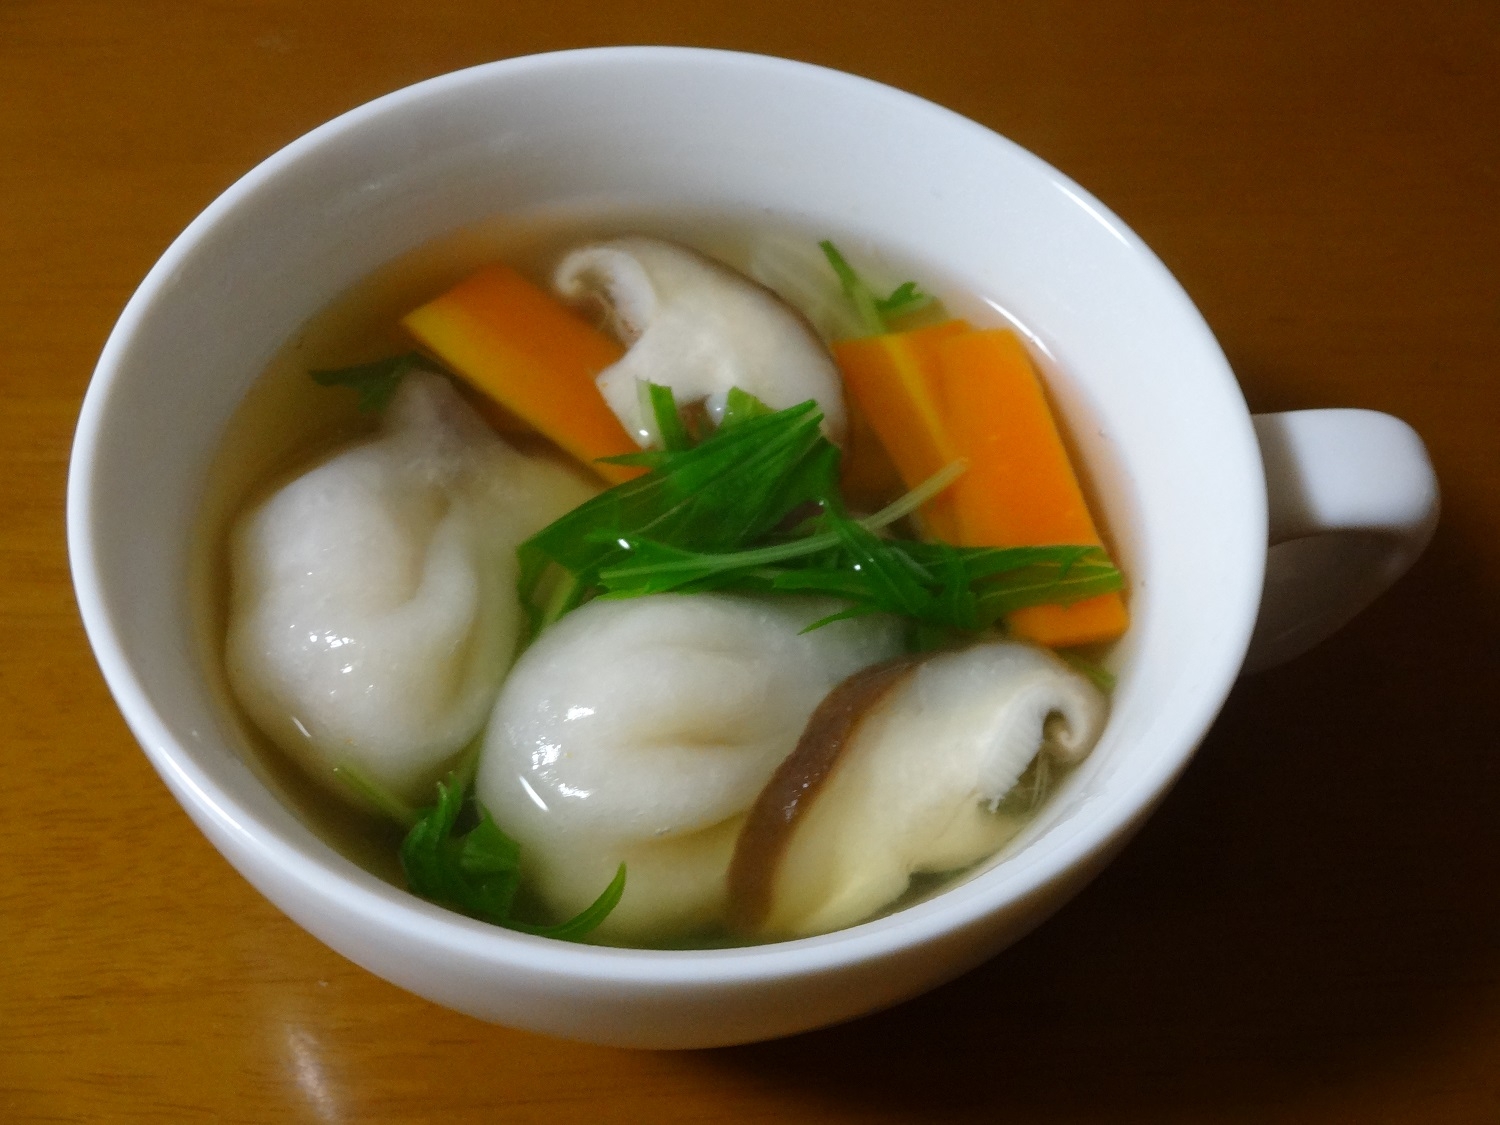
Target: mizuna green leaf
x=875, y=313
x=477, y=871
x=755, y=508
x=375, y=382
x=731, y=489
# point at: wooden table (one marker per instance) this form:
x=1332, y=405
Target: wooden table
x=1309, y=931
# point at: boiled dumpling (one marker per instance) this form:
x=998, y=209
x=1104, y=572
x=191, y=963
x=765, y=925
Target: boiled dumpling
x=373, y=611
x=639, y=731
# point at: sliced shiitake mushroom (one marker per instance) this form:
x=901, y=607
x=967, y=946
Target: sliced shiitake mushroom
x=901, y=770
x=699, y=327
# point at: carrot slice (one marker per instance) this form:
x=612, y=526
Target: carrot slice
x=1087, y=621
x=1020, y=489
x=534, y=356
x=890, y=378
x=867, y=475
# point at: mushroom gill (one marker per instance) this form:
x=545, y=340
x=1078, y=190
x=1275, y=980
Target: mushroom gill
x=902, y=771
x=699, y=327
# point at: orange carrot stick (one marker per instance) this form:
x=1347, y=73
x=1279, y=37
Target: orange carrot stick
x=890, y=378
x=1020, y=489
x=867, y=475
x=534, y=356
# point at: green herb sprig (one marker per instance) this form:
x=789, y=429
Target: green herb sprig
x=755, y=507
x=376, y=382
x=875, y=313
x=454, y=854
x=477, y=872
x=729, y=491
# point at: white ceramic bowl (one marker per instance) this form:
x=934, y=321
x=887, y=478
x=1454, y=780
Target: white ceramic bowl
x=1169, y=438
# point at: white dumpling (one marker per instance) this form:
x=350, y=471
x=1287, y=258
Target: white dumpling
x=640, y=730
x=373, y=610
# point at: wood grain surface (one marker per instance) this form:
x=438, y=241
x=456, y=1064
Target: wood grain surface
x=1308, y=931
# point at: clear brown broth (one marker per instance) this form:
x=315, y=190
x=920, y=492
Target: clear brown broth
x=286, y=423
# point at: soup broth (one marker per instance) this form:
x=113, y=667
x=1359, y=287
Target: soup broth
x=287, y=422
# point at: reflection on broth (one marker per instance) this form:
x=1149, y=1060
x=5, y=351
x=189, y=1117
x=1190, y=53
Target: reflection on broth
x=706, y=737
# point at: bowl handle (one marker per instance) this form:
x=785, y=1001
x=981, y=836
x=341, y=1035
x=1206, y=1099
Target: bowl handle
x=1352, y=502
